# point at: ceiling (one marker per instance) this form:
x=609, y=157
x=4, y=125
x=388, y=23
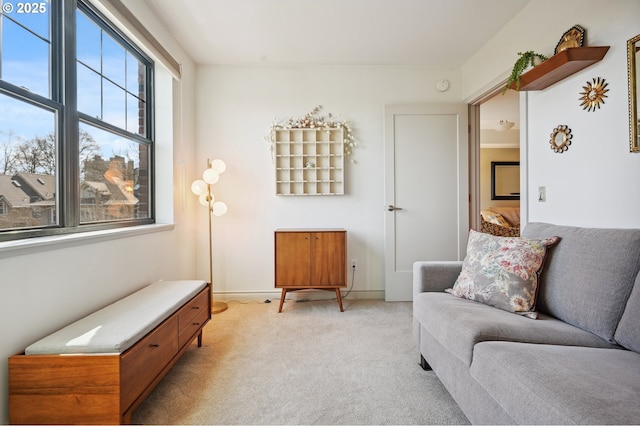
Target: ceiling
x=501, y=107
x=334, y=32
x=442, y=33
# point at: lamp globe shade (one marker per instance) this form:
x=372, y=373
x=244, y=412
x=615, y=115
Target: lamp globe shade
x=206, y=199
x=219, y=166
x=199, y=187
x=219, y=208
x=210, y=176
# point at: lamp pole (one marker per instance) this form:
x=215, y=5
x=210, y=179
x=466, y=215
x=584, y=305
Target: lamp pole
x=210, y=176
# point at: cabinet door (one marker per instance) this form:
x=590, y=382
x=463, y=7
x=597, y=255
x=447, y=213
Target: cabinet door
x=293, y=259
x=328, y=258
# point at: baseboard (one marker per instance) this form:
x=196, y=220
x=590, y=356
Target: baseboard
x=298, y=295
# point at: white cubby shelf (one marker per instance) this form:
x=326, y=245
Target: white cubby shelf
x=309, y=161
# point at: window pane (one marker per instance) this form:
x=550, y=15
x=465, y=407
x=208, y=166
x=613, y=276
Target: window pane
x=27, y=165
x=37, y=167
x=136, y=105
x=88, y=42
x=113, y=104
x=33, y=15
x=89, y=92
x=114, y=182
x=136, y=79
x=25, y=58
x=136, y=113
x=113, y=60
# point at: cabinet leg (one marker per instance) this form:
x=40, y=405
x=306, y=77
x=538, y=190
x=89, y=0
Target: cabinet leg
x=200, y=339
x=339, y=297
x=284, y=294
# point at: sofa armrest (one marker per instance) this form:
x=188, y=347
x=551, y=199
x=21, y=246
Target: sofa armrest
x=435, y=275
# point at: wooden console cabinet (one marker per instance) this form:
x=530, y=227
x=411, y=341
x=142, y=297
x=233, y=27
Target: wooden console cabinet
x=310, y=259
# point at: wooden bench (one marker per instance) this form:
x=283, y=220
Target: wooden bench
x=99, y=369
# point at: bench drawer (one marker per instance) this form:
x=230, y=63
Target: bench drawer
x=193, y=316
x=146, y=359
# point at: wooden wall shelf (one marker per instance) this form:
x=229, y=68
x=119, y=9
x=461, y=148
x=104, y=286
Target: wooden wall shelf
x=560, y=66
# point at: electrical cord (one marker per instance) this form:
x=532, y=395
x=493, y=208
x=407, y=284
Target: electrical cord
x=353, y=278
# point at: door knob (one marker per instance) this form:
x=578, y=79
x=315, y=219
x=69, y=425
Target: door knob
x=391, y=207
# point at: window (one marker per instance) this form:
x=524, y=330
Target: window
x=76, y=146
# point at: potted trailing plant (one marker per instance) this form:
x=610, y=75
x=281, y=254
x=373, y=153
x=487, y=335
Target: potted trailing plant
x=524, y=61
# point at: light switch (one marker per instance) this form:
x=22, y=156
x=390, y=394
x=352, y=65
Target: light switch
x=542, y=194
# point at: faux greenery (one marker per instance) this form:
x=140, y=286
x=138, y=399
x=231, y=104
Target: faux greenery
x=313, y=120
x=524, y=60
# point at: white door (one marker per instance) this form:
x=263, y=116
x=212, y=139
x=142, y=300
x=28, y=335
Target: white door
x=426, y=190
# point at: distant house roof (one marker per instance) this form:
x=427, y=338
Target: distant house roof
x=118, y=191
x=44, y=186
x=97, y=186
x=12, y=191
x=125, y=190
x=31, y=189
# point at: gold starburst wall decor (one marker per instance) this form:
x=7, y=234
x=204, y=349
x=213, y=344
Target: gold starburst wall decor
x=594, y=94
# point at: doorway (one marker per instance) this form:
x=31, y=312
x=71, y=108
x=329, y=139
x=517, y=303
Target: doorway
x=495, y=139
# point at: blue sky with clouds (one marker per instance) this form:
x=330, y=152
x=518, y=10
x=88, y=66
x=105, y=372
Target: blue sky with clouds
x=25, y=62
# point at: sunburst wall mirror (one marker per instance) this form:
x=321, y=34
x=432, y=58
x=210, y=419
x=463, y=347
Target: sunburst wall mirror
x=594, y=93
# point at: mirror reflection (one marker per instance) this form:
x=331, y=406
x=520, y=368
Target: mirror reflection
x=560, y=139
x=505, y=180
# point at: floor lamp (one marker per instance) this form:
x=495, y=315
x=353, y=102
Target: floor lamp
x=202, y=188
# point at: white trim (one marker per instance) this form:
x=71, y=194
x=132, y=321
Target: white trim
x=54, y=242
x=134, y=27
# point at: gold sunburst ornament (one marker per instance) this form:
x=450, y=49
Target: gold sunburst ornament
x=594, y=94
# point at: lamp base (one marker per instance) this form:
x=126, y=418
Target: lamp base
x=217, y=307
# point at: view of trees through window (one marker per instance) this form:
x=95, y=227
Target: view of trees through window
x=105, y=158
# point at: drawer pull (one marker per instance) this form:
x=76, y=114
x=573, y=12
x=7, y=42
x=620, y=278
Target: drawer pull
x=195, y=323
x=195, y=307
x=154, y=345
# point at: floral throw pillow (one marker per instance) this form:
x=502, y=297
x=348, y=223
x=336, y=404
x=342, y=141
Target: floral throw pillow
x=502, y=272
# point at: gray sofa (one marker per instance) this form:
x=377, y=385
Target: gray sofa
x=578, y=363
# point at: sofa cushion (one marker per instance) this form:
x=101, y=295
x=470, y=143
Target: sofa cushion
x=628, y=331
x=502, y=271
x=116, y=327
x=458, y=324
x=588, y=275
x=549, y=384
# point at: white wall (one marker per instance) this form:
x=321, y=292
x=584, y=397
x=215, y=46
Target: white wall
x=46, y=287
x=236, y=106
x=593, y=183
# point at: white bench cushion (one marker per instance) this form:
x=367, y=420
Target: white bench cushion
x=117, y=327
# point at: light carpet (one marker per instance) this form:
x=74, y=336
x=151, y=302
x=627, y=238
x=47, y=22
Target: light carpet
x=310, y=364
